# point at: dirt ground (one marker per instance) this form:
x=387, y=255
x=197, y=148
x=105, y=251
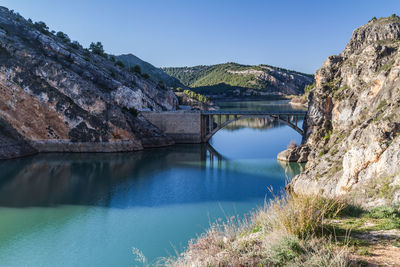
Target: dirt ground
x=382, y=249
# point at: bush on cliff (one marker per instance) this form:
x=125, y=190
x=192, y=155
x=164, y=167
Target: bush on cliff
x=120, y=64
x=64, y=37
x=97, y=48
x=136, y=69
x=41, y=26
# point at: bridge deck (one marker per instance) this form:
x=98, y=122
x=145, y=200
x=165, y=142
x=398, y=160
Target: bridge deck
x=255, y=112
x=199, y=126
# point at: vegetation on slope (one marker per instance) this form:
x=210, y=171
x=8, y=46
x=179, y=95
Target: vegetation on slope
x=156, y=74
x=232, y=77
x=297, y=231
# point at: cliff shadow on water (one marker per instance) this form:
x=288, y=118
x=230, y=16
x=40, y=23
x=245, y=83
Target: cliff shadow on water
x=154, y=177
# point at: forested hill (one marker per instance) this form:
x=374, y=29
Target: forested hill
x=241, y=80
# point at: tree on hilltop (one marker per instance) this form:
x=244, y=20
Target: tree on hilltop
x=97, y=48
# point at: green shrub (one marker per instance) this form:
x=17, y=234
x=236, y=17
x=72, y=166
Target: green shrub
x=308, y=88
x=387, y=67
x=328, y=134
x=383, y=212
x=286, y=251
x=76, y=45
x=382, y=104
x=161, y=85
x=120, y=64
x=41, y=26
x=64, y=37
x=198, y=97
x=146, y=76
x=351, y=211
x=3, y=28
x=136, y=69
x=97, y=48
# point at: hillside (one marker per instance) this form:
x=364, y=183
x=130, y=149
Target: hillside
x=156, y=74
x=353, y=124
x=232, y=79
x=57, y=96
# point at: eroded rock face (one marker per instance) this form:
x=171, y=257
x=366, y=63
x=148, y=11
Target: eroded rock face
x=353, y=124
x=63, y=98
x=297, y=154
x=12, y=144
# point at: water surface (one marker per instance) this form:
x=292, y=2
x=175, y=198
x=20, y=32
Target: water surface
x=92, y=209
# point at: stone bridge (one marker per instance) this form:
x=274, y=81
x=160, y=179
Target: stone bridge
x=199, y=126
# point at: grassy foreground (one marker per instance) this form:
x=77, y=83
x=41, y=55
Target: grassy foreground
x=300, y=231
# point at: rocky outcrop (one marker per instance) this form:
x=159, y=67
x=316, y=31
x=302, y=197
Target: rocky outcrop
x=299, y=101
x=12, y=144
x=295, y=153
x=60, y=97
x=353, y=122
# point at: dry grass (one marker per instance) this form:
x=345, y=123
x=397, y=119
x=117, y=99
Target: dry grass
x=289, y=231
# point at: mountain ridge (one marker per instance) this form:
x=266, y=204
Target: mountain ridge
x=233, y=79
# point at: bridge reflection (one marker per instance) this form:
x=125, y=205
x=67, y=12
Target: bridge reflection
x=212, y=157
x=144, y=178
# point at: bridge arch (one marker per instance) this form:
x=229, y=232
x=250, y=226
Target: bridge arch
x=192, y=127
x=211, y=127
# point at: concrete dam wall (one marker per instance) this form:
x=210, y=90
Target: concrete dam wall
x=184, y=127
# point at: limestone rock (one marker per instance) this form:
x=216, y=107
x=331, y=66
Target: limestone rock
x=353, y=122
x=60, y=97
x=12, y=145
x=297, y=154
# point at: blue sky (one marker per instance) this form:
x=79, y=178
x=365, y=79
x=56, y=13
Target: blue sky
x=292, y=34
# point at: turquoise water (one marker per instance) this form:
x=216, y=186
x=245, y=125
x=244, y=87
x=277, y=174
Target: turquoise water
x=92, y=209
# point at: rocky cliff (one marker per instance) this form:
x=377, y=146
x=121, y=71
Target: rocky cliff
x=60, y=97
x=353, y=122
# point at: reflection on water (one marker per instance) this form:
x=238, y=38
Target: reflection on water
x=97, y=179
x=291, y=169
x=275, y=105
x=262, y=123
x=91, y=209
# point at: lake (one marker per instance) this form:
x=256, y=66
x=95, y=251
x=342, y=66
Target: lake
x=93, y=209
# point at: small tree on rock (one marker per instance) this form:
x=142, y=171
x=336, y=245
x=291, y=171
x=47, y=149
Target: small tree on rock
x=63, y=37
x=41, y=26
x=97, y=48
x=136, y=69
x=120, y=64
